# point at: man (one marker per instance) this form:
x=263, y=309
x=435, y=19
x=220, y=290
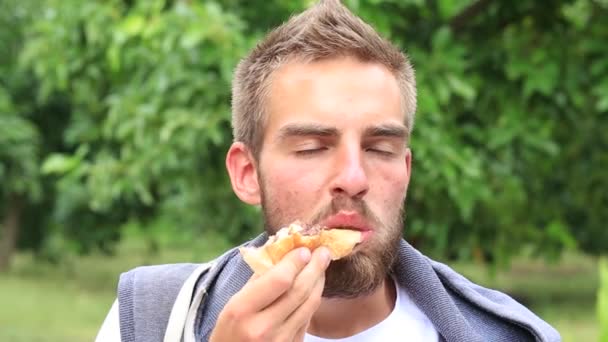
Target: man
x=323, y=110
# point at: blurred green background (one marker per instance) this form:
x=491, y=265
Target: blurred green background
x=115, y=120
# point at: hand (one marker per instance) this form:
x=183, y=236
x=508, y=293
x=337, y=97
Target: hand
x=278, y=305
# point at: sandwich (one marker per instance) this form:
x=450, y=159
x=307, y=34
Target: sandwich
x=339, y=242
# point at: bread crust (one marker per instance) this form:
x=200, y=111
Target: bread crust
x=339, y=242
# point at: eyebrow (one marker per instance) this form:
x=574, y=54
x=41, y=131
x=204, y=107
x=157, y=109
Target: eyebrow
x=306, y=129
x=319, y=130
x=386, y=130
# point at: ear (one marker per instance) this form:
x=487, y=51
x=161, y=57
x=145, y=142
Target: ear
x=408, y=167
x=243, y=173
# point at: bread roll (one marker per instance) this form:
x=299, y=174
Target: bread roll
x=339, y=242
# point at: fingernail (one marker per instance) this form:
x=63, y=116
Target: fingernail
x=305, y=254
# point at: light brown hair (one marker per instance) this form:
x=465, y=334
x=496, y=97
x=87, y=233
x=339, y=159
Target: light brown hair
x=326, y=30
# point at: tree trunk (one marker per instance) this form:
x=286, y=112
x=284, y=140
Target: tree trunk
x=9, y=230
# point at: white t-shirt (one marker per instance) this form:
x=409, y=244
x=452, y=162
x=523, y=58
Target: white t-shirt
x=405, y=323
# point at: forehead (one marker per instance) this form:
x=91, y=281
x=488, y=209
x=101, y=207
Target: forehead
x=334, y=92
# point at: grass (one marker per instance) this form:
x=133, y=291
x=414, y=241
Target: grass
x=68, y=303
x=563, y=294
x=49, y=311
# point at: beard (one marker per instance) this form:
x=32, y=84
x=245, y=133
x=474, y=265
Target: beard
x=363, y=271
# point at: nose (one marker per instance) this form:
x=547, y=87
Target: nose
x=350, y=177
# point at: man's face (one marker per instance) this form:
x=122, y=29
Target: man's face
x=334, y=154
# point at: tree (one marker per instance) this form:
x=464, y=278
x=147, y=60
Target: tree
x=138, y=76
x=509, y=149
x=19, y=137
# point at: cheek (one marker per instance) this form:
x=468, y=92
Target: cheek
x=291, y=190
x=390, y=186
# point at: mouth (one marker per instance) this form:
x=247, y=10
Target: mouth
x=348, y=220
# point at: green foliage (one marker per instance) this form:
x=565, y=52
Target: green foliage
x=137, y=77
x=19, y=137
x=18, y=154
x=508, y=120
x=124, y=107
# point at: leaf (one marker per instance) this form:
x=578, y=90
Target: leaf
x=133, y=25
x=557, y=231
x=461, y=87
x=441, y=39
x=602, y=104
x=59, y=164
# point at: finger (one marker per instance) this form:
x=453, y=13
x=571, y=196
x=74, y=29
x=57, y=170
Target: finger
x=303, y=286
x=299, y=320
x=300, y=334
x=261, y=292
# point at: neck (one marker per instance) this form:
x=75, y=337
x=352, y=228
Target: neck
x=340, y=318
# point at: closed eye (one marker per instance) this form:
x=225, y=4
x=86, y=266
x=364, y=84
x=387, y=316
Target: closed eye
x=380, y=152
x=311, y=151
x=383, y=146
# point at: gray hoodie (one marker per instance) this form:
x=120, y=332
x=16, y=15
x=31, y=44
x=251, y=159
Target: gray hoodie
x=460, y=310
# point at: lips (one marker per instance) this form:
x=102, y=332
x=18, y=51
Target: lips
x=347, y=220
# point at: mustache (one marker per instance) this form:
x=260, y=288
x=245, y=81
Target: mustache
x=345, y=203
